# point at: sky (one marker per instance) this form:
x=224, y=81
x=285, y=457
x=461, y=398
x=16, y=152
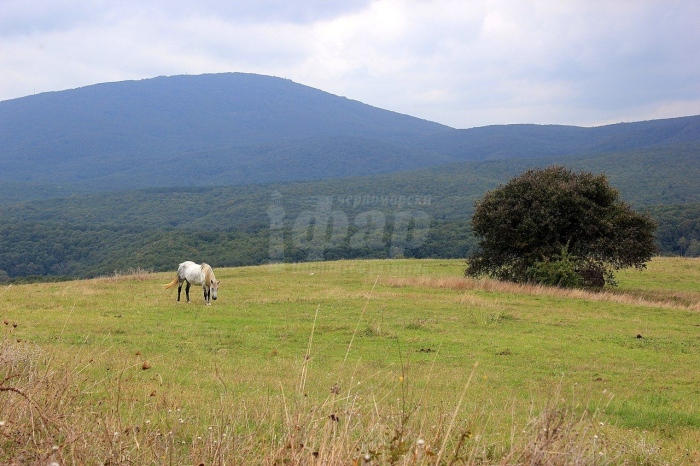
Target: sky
x=461, y=63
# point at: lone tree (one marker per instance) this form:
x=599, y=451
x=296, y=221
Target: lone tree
x=556, y=227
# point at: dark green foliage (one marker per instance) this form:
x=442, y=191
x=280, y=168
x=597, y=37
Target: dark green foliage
x=94, y=234
x=560, y=271
x=59, y=249
x=88, y=234
x=447, y=240
x=679, y=228
x=546, y=222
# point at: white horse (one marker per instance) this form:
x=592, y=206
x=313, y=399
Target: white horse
x=198, y=275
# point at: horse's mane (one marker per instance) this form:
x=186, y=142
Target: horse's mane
x=208, y=274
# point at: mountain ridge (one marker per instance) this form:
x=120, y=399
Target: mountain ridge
x=238, y=128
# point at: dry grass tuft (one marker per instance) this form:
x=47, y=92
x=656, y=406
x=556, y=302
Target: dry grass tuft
x=559, y=435
x=687, y=301
x=50, y=414
x=133, y=274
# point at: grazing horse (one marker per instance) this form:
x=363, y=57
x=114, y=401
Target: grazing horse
x=198, y=275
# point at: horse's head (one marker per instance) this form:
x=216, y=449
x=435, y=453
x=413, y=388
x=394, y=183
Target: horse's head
x=214, y=287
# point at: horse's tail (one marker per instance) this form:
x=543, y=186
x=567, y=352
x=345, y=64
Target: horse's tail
x=172, y=283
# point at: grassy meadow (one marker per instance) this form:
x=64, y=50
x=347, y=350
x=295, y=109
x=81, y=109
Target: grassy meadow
x=352, y=362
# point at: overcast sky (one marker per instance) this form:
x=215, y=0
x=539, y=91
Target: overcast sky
x=462, y=63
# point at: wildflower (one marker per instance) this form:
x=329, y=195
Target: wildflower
x=420, y=442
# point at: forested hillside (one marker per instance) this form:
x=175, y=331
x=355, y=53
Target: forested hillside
x=421, y=213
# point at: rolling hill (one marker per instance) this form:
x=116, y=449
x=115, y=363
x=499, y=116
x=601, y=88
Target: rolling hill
x=236, y=128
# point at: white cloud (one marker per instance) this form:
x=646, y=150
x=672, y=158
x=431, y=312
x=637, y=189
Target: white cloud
x=459, y=63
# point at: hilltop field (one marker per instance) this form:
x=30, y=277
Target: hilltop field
x=352, y=362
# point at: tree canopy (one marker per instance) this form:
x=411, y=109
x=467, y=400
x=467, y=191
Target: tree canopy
x=558, y=227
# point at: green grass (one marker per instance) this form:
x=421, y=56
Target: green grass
x=379, y=353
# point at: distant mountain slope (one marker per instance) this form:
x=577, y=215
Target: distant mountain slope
x=644, y=178
x=97, y=233
x=188, y=129
x=235, y=128
x=525, y=141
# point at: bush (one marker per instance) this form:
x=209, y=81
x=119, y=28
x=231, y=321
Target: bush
x=562, y=272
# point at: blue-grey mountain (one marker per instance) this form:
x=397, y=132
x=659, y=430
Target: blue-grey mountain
x=236, y=128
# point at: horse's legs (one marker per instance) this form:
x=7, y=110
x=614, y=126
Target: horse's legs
x=179, y=289
x=207, y=295
x=187, y=291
